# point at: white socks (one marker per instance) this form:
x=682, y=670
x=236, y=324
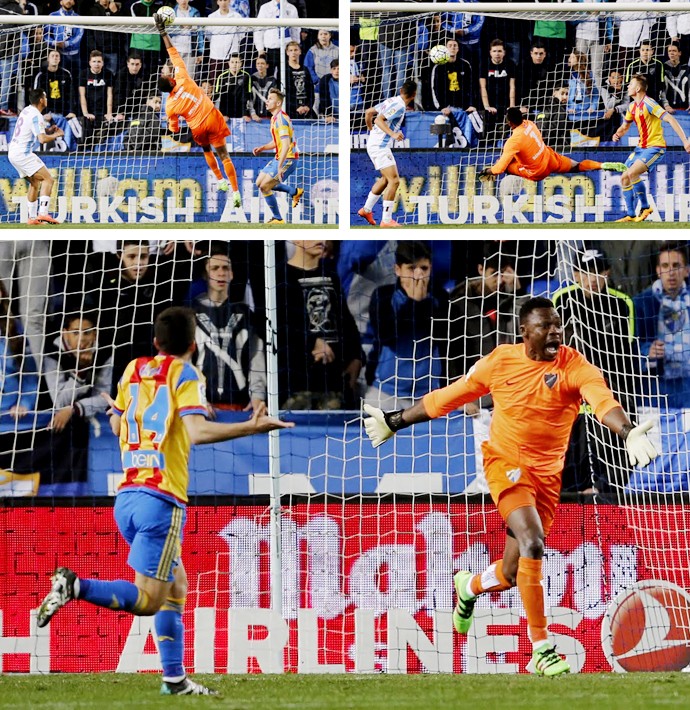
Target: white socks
x=372, y=199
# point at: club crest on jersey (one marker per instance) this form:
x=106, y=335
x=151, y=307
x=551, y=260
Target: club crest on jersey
x=550, y=379
x=149, y=370
x=514, y=475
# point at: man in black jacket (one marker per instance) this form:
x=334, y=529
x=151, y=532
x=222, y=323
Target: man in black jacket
x=128, y=96
x=299, y=89
x=233, y=90
x=599, y=323
x=453, y=83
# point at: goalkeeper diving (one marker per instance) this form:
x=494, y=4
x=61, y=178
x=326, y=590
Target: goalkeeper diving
x=205, y=121
x=537, y=387
x=526, y=155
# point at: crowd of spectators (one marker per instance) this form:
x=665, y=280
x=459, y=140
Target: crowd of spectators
x=99, y=82
x=382, y=321
x=564, y=74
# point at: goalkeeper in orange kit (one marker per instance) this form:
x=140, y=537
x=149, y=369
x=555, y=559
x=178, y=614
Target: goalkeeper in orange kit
x=537, y=389
x=205, y=121
x=526, y=155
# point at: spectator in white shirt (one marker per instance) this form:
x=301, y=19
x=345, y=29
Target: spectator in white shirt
x=267, y=41
x=224, y=41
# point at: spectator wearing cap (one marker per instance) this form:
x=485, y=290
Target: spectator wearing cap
x=598, y=322
x=663, y=324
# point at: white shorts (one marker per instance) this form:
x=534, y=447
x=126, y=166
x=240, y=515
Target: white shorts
x=381, y=157
x=26, y=164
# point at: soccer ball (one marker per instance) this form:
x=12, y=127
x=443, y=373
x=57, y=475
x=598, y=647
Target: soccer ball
x=168, y=15
x=511, y=186
x=439, y=54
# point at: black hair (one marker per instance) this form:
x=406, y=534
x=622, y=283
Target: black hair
x=409, y=88
x=76, y=315
x=514, y=115
x=335, y=63
x=174, y=330
x=410, y=252
x=533, y=304
x=678, y=247
x=35, y=95
x=165, y=84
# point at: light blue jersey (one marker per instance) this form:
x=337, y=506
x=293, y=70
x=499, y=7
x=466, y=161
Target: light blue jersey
x=393, y=110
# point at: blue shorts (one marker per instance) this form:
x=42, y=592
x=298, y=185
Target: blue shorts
x=649, y=156
x=272, y=168
x=152, y=527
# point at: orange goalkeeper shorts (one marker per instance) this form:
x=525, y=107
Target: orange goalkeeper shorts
x=514, y=487
x=550, y=163
x=213, y=131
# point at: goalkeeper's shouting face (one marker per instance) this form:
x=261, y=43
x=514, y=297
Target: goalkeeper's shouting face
x=541, y=332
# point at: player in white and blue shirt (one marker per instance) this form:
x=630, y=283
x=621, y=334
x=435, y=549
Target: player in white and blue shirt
x=384, y=122
x=31, y=127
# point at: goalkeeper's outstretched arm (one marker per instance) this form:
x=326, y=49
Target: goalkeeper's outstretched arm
x=641, y=451
x=380, y=425
x=160, y=26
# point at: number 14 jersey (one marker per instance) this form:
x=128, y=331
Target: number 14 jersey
x=153, y=396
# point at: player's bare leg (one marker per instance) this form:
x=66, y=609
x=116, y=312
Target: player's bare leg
x=392, y=183
x=373, y=197
x=266, y=183
x=634, y=190
x=229, y=168
x=38, y=197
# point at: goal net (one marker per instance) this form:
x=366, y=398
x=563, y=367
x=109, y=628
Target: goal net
x=119, y=161
x=566, y=65
x=322, y=554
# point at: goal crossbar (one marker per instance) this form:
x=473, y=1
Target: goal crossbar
x=492, y=8
x=328, y=23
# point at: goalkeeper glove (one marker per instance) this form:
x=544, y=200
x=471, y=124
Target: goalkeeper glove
x=640, y=449
x=485, y=175
x=160, y=22
x=380, y=425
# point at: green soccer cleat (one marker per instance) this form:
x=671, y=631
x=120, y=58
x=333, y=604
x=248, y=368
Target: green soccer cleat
x=236, y=200
x=223, y=185
x=186, y=687
x=616, y=167
x=546, y=662
x=464, y=609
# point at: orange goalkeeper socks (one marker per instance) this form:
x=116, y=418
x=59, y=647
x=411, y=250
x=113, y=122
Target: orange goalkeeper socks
x=231, y=173
x=213, y=164
x=586, y=165
x=491, y=580
x=532, y=594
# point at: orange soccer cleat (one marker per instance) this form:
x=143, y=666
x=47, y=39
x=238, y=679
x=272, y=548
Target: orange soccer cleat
x=47, y=219
x=367, y=215
x=33, y=220
x=390, y=223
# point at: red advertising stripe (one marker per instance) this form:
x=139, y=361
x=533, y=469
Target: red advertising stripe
x=343, y=558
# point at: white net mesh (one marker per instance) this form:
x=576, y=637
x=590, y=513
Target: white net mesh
x=370, y=539
x=568, y=71
x=119, y=160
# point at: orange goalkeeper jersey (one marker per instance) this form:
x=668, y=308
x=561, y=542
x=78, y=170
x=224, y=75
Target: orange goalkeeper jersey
x=186, y=99
x=526, y=146
x=535, y=403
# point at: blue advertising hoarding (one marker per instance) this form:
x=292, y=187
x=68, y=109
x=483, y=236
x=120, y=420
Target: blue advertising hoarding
x=128, y=188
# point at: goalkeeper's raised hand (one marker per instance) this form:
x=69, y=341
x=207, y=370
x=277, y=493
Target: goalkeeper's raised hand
x=160, y=22
x=640, y=449
x=485, y=175
x=380, y=425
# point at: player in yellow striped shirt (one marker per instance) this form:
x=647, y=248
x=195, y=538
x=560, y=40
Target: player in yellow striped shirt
x=273, y=175
x=647, y=115
x=159, y=412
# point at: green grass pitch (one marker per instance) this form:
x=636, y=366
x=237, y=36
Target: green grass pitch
x=604, y=691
